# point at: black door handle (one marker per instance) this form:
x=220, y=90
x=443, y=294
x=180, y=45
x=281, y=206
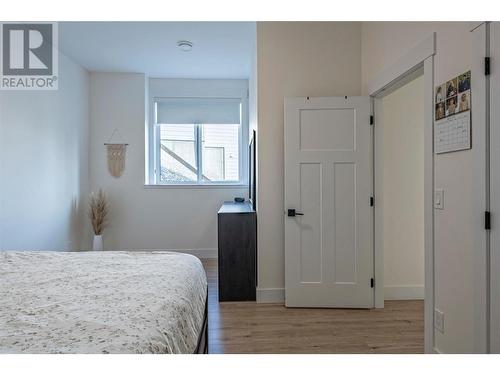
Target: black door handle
x=292, y=213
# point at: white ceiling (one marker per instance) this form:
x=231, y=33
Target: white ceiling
x=220, y=49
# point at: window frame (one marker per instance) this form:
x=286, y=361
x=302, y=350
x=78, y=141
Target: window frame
x=153, y=164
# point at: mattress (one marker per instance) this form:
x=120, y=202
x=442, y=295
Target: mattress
x=100, y=302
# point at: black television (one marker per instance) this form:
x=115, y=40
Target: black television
x=252, y=170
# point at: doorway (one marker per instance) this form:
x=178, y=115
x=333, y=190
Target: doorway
x=400, y=122
x=406, y=69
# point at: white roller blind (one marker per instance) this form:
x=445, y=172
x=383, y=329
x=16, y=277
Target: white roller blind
x=198, y=111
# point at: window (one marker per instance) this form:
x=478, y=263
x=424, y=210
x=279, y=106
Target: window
x=198, y=141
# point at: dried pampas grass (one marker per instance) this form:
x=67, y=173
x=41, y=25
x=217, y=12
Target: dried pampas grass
x=98, y=211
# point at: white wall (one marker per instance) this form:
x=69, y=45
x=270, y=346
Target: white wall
x=400, y=118
x=459, y=231
x=293, y=59
x=168, y=218
x=44, y=164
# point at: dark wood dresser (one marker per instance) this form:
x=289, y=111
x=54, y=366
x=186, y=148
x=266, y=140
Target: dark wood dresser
x=237, y=237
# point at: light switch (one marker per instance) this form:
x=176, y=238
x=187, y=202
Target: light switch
x=439, y=199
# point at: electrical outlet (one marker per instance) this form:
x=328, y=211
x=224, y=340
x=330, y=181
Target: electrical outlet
x=439, y=320
x=439, y=199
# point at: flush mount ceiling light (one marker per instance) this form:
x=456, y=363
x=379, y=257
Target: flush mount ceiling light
x=185, y=45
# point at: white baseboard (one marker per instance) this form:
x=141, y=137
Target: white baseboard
x=394, y=292
x=200, y=253
x=436, y=351
x=270, y=295
x=404, y=292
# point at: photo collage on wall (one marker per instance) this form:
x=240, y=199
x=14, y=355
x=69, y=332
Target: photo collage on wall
x=453, y=96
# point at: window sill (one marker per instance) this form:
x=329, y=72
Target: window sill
x=195, y=186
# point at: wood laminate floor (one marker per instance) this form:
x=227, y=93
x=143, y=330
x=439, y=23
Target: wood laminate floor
x=248, y=327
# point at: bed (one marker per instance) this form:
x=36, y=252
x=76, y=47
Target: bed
x=102, y=302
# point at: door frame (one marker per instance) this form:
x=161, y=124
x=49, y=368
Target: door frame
x=417, y=60
x=493, y=38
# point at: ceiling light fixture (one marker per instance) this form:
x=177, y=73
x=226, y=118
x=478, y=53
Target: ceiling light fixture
x=185, y=45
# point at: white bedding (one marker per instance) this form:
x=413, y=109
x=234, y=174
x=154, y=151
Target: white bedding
x=100, y=302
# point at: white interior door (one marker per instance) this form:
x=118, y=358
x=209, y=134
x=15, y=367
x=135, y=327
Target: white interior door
x=328, y=179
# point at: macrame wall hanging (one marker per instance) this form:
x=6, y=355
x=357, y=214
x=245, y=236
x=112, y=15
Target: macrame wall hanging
x=116, y=155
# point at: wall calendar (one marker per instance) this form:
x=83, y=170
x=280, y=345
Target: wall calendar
x=452, y=126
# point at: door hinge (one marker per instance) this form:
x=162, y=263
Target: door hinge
x=372, y=282
x=372, y=201
x=487, y=66
x=487, y=220
x=372, y=121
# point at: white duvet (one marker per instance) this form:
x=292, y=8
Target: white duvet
x=100, y=302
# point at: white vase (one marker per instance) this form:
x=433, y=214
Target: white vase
x=97, y=244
